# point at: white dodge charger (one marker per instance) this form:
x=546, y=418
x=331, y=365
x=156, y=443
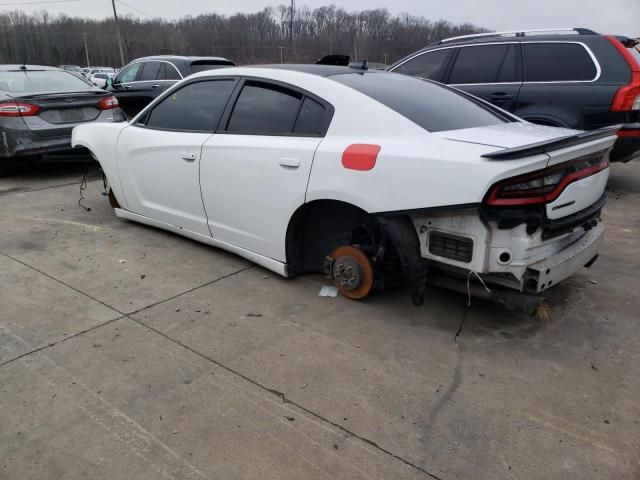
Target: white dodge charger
x=374, y=178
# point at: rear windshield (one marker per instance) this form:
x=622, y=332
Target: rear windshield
x=201, y=65
x=431, y=106
x=42, y=81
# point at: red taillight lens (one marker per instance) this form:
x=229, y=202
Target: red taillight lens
x=545, y=185
x=627, y=97
x=635, y=132
x=108, y=103
x=18, y=109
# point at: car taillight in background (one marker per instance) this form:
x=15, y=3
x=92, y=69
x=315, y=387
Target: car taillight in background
x=628, y=97
x=108, y=103
x=546, y=185
x=18, y=109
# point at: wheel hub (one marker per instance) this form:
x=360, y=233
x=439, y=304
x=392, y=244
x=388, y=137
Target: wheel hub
x=352, y=272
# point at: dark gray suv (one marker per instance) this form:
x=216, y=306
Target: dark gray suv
x=575, y=78
x=143, y=79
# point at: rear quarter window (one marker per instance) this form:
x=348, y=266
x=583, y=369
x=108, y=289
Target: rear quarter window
x=557, y=62
x=425, y=103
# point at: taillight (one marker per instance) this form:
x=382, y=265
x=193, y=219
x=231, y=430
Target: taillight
x=627, y=97
x=544, y=186
x=18, y=109
x=108, y=103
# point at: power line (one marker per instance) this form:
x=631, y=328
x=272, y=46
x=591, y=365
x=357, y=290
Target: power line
x=134, y=8
x=37, y=3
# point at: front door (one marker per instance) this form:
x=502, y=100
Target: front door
x=159, y=159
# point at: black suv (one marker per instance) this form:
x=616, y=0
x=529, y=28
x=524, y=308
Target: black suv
x=575, y=78
x=142, y=80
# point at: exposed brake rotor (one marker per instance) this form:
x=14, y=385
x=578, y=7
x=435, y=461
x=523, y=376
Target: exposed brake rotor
x=352, y=272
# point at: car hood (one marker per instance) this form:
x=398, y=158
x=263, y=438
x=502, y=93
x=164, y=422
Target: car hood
x=507, y=135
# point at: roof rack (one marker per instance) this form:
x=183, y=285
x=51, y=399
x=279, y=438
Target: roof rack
x=522, y=33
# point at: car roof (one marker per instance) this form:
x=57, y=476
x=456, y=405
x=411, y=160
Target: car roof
x=20, y=67
x=180, y=57
x=320, y=70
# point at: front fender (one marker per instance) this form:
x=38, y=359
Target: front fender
x=101, y=140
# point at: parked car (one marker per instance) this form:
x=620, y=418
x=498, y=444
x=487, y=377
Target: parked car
x=71, y=68
x=39, y=106
x=101, y=79
x=368, y=176
x=577, y=78
x=145, y=78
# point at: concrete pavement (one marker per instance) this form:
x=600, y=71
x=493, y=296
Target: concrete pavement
x=128, y=352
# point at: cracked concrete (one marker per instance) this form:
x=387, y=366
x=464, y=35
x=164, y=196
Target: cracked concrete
x=127, y=352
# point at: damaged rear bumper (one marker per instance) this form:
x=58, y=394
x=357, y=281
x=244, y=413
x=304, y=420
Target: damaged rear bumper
x=546, y=273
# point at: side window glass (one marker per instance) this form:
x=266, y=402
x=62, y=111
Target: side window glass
x=196, y=107
x=264, y=109
x=149, y=71
x=310, y=119
x=170, y=72
x=479, y=64
x=428, y=65
x=557, y=62
x=129, y=74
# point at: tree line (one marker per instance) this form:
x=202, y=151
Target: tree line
x=245, y=38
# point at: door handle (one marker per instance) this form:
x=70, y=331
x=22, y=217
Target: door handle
x=155, y=85
x=289, y=162
x=188, y=156
x=127, y=87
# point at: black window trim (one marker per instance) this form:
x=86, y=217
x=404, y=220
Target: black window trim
x=142, y=121
x=584, y=45
x=140, y=70
x=329, y=110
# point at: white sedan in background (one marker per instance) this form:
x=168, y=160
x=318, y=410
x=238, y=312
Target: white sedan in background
x=372, y=177
x=100, y=79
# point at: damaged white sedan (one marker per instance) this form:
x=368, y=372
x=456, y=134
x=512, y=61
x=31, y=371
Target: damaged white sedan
x=374, y=178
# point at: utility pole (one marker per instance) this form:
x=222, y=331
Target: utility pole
x=385, y=59
x=115, y=17
x=281, y=55
x=86, y=49
x=291, y=28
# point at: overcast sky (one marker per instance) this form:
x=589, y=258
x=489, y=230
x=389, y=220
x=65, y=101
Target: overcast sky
x=606, y=16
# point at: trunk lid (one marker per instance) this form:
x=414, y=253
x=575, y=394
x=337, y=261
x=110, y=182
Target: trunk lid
x=576, y=171
x=60, y=112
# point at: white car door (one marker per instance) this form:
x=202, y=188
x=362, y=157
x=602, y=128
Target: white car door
x=254, y=171
x=159, y=157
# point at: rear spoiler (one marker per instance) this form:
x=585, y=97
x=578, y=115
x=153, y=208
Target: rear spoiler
x=553, y=144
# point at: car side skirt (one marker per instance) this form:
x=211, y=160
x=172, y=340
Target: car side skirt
x=266, y=262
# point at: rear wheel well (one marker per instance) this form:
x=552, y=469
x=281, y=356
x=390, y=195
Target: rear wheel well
x=318, y=227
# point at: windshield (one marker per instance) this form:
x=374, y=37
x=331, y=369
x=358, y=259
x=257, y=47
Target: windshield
x=41, y=81
x=431, y=106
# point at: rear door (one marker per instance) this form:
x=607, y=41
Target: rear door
x=489, y=71
x=168, y=75
x=559, y=87
x=159, y=158
x=254, y=172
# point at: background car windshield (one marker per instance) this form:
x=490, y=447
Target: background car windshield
x=432, y=107
x=41, y=81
